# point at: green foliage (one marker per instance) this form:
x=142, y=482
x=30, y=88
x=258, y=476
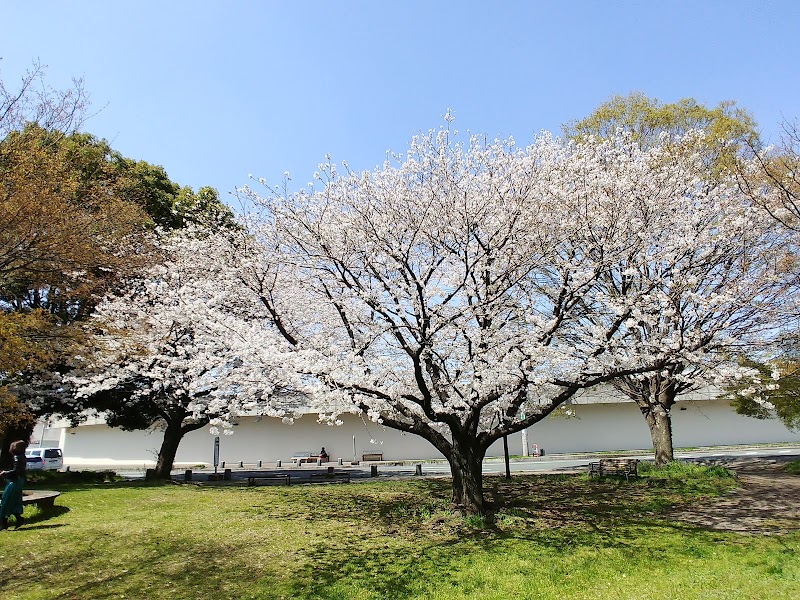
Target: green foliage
x=793, y=467
x=145, y=185
x=60, y=478
x=770, y=391
x=120, y=412
x=729, y=130
x=647, y=118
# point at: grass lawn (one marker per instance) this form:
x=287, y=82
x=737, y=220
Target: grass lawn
x=553, y=537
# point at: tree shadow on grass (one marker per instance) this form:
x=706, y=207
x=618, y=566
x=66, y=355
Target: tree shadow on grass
x=406, y=537
x=379, y=539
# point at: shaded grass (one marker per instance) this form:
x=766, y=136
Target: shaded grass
x=793, y=467
x=550, y=537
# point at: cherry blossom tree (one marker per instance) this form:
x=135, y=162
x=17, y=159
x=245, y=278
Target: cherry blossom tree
x=167, y=356
x=713, y=269
x=460, y=292
x=696, y=252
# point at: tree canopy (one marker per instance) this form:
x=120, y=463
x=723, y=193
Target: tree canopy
x=464, y=292
x=721, y=138
x=163, y=354
x=729, y=130
x=76, y=217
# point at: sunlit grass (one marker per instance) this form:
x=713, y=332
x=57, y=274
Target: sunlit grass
x=548, y=537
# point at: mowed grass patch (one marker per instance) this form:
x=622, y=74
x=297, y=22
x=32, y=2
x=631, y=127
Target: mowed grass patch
x=550, y=537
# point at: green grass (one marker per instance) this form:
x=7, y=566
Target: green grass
x=793, y=467
x=549, y=537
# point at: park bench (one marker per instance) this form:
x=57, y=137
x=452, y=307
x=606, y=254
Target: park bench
x=372, y=456
x=286, y=479
x=343, y=477
x=626, y=467
x=41, y=498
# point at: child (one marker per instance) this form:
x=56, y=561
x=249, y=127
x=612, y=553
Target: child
x=12, y=494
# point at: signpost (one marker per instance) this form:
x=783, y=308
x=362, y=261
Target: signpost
x=216, y=454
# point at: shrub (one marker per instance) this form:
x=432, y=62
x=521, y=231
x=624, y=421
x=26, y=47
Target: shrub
x=683, y=470
x=55, y=477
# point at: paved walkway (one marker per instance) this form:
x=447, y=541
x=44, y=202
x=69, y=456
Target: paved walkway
x=767, y=501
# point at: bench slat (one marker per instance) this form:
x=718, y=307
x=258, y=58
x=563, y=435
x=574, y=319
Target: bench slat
x=283, y=478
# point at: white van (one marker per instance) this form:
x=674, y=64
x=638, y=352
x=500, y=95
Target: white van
x=44, y=458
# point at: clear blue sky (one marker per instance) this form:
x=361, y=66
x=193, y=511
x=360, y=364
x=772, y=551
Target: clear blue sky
x=214, y=91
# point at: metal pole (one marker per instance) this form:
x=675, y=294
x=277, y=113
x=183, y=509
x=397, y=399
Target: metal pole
x=508, y=460
x=216, y=454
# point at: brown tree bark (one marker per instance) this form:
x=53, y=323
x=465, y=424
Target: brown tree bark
x=466, y=466
x=173, y=435
x=660, y=423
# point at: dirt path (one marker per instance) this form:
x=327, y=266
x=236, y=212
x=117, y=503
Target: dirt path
x=767, y=501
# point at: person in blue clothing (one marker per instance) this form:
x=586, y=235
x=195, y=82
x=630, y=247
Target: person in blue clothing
x=11, y=503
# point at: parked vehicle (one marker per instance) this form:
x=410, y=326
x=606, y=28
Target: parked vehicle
x=44, y=458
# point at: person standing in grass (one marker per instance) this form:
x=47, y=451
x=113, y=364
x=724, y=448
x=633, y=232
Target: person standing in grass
x=11, y=503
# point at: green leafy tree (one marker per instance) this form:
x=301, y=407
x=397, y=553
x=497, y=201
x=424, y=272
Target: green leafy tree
x=729, y=130
x=75, y=217
x=769, y=390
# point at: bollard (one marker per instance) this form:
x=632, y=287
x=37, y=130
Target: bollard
x=340, y=462
x=187, y=476
x=277, y=463
x=241, y=464
x=223, y=464
x=418, y=470
x=67, y=469
x=319, y=462
x=373, y=470
x=227, y=476
x=259, y=464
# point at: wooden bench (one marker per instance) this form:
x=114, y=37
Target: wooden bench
x=343, y=477
x=41, y=498
x=626, y=467
x=284, y=479
x=372, y=456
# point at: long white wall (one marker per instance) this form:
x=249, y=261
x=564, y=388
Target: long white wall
x=618, y=426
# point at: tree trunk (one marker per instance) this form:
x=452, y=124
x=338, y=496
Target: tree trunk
x=660, y=424
x=466, y=465
x=176, y=429
x=169, y=448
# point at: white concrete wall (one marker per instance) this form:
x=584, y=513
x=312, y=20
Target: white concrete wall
x=597, y=427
